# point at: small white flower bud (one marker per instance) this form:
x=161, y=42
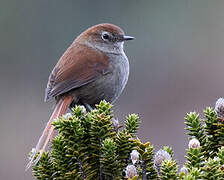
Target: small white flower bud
x=32, y=152
x=67, y=115
x=115, y=122
x=131, y=171
x=161, y=156
x=194, y=143
x=216, y=158
x=184, y=170
x=83, y=109
x=134, y=156
x=219, y=107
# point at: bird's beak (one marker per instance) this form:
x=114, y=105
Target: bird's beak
x=127, y=38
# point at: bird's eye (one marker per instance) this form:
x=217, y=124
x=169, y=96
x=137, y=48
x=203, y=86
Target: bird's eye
x=105, y=36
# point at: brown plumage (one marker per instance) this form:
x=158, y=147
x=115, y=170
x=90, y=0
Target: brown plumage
x=93, y=68
x=78, y=66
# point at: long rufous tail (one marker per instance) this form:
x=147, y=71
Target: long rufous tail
x=60, y=109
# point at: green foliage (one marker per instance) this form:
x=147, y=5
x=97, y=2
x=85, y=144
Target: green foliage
x=89, y=146
x=221, y=161
x=132, y=124
x=195, y=129
x=169, y=150
x=101, y=128
x=211, y=131
x=193, y=174
x=44, y=169
x=68, y=148
x=221, y=155
x=125, y=140
x=109, y=159
x=146, y=169
x=211, y=170
x=205, y=162
x=169, y=170
x=194, y=158
x=125, y=144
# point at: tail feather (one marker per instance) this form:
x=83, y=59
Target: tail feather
x=60, y=109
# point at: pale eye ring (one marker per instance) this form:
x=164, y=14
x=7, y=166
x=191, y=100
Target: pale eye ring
x=105, y=36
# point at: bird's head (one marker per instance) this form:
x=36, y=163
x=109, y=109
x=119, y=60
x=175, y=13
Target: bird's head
x=108, y=38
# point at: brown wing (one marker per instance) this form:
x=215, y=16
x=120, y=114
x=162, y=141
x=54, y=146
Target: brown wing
x=78, y=66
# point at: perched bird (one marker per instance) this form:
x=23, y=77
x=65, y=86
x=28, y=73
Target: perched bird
x=93, y=68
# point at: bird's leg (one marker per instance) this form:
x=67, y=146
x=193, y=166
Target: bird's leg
x=88, y=107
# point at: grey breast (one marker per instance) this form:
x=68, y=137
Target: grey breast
x=109, y=86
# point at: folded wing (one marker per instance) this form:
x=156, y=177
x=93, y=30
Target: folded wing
x=78, y=66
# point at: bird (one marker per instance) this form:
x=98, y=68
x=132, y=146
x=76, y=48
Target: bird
x=93, y=68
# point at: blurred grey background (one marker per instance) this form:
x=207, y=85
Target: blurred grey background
x=177, y=65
